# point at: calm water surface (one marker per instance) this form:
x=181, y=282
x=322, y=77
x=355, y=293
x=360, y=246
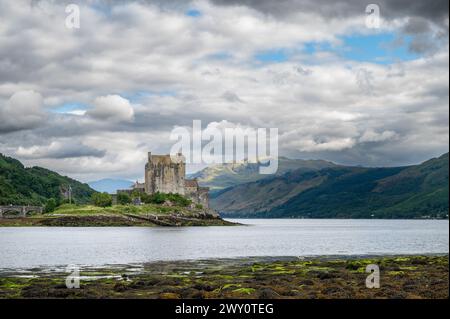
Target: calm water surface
x=25, y=247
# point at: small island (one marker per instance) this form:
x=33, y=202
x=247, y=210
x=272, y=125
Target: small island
x=166, y=198
x=165, y=214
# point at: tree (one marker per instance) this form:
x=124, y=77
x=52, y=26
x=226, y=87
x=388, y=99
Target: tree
x=160, y=198
x=123, y=198
x=101, y=199
x=136, y=193
x=50, y=206
x=157, y=198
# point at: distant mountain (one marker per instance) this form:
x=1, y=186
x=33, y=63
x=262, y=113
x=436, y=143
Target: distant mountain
x=110, y=185
x=417, y=191
x=35, y=185
x=227, y=175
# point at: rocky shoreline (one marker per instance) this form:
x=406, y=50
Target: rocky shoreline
x=113, y=221
x=121, y=215
x=341, y=277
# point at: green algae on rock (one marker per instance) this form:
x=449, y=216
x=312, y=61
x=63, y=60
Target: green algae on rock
x=408, y=277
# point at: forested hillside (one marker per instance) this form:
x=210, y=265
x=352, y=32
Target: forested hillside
x=35, y=185
x=418, y=191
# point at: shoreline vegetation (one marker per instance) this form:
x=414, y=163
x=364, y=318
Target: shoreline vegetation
x=126, y=216
x=341, y=277
x=166, y=214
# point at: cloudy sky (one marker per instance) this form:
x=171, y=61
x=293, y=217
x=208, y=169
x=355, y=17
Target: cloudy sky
x=90, y=102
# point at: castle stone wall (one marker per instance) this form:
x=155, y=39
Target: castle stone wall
x=164, y=175
x=203, y=196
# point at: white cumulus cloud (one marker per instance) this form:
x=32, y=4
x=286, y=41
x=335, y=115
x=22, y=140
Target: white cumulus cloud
x=372, y=136
x=22, y=111
x=112, y=108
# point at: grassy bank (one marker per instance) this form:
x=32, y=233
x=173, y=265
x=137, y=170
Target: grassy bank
x=331, y=277
x=120, y=215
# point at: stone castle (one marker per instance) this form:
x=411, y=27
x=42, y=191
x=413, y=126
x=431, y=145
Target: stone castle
x=165, y=174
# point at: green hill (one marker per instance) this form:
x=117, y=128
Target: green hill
x=417, y=191
x=33, y=186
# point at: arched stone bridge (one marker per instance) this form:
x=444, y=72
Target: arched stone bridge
x=18, y=211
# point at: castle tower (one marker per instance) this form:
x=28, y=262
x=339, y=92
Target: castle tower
x=165, y=174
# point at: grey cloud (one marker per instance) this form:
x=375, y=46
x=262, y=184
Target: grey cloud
x=416, y=25
x=435, y=10
x=302, y=70
x=374, y=154
x=231, y=97
x=424, y=39
x=429, y=9
x=420, y=13
x=364, y=79
x=440, y=91
x=422, y=45
x=59, y=150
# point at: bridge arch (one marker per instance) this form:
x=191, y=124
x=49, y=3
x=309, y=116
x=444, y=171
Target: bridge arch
x=32, y=209
x=12, y=211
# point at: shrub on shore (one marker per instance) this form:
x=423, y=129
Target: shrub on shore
x=160, y=198
x=123, y=198
x=101, y=199
x=50, y=206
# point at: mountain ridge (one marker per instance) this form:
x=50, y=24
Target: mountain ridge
x=415, y=191
x=110, y=185
x=219, y=177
